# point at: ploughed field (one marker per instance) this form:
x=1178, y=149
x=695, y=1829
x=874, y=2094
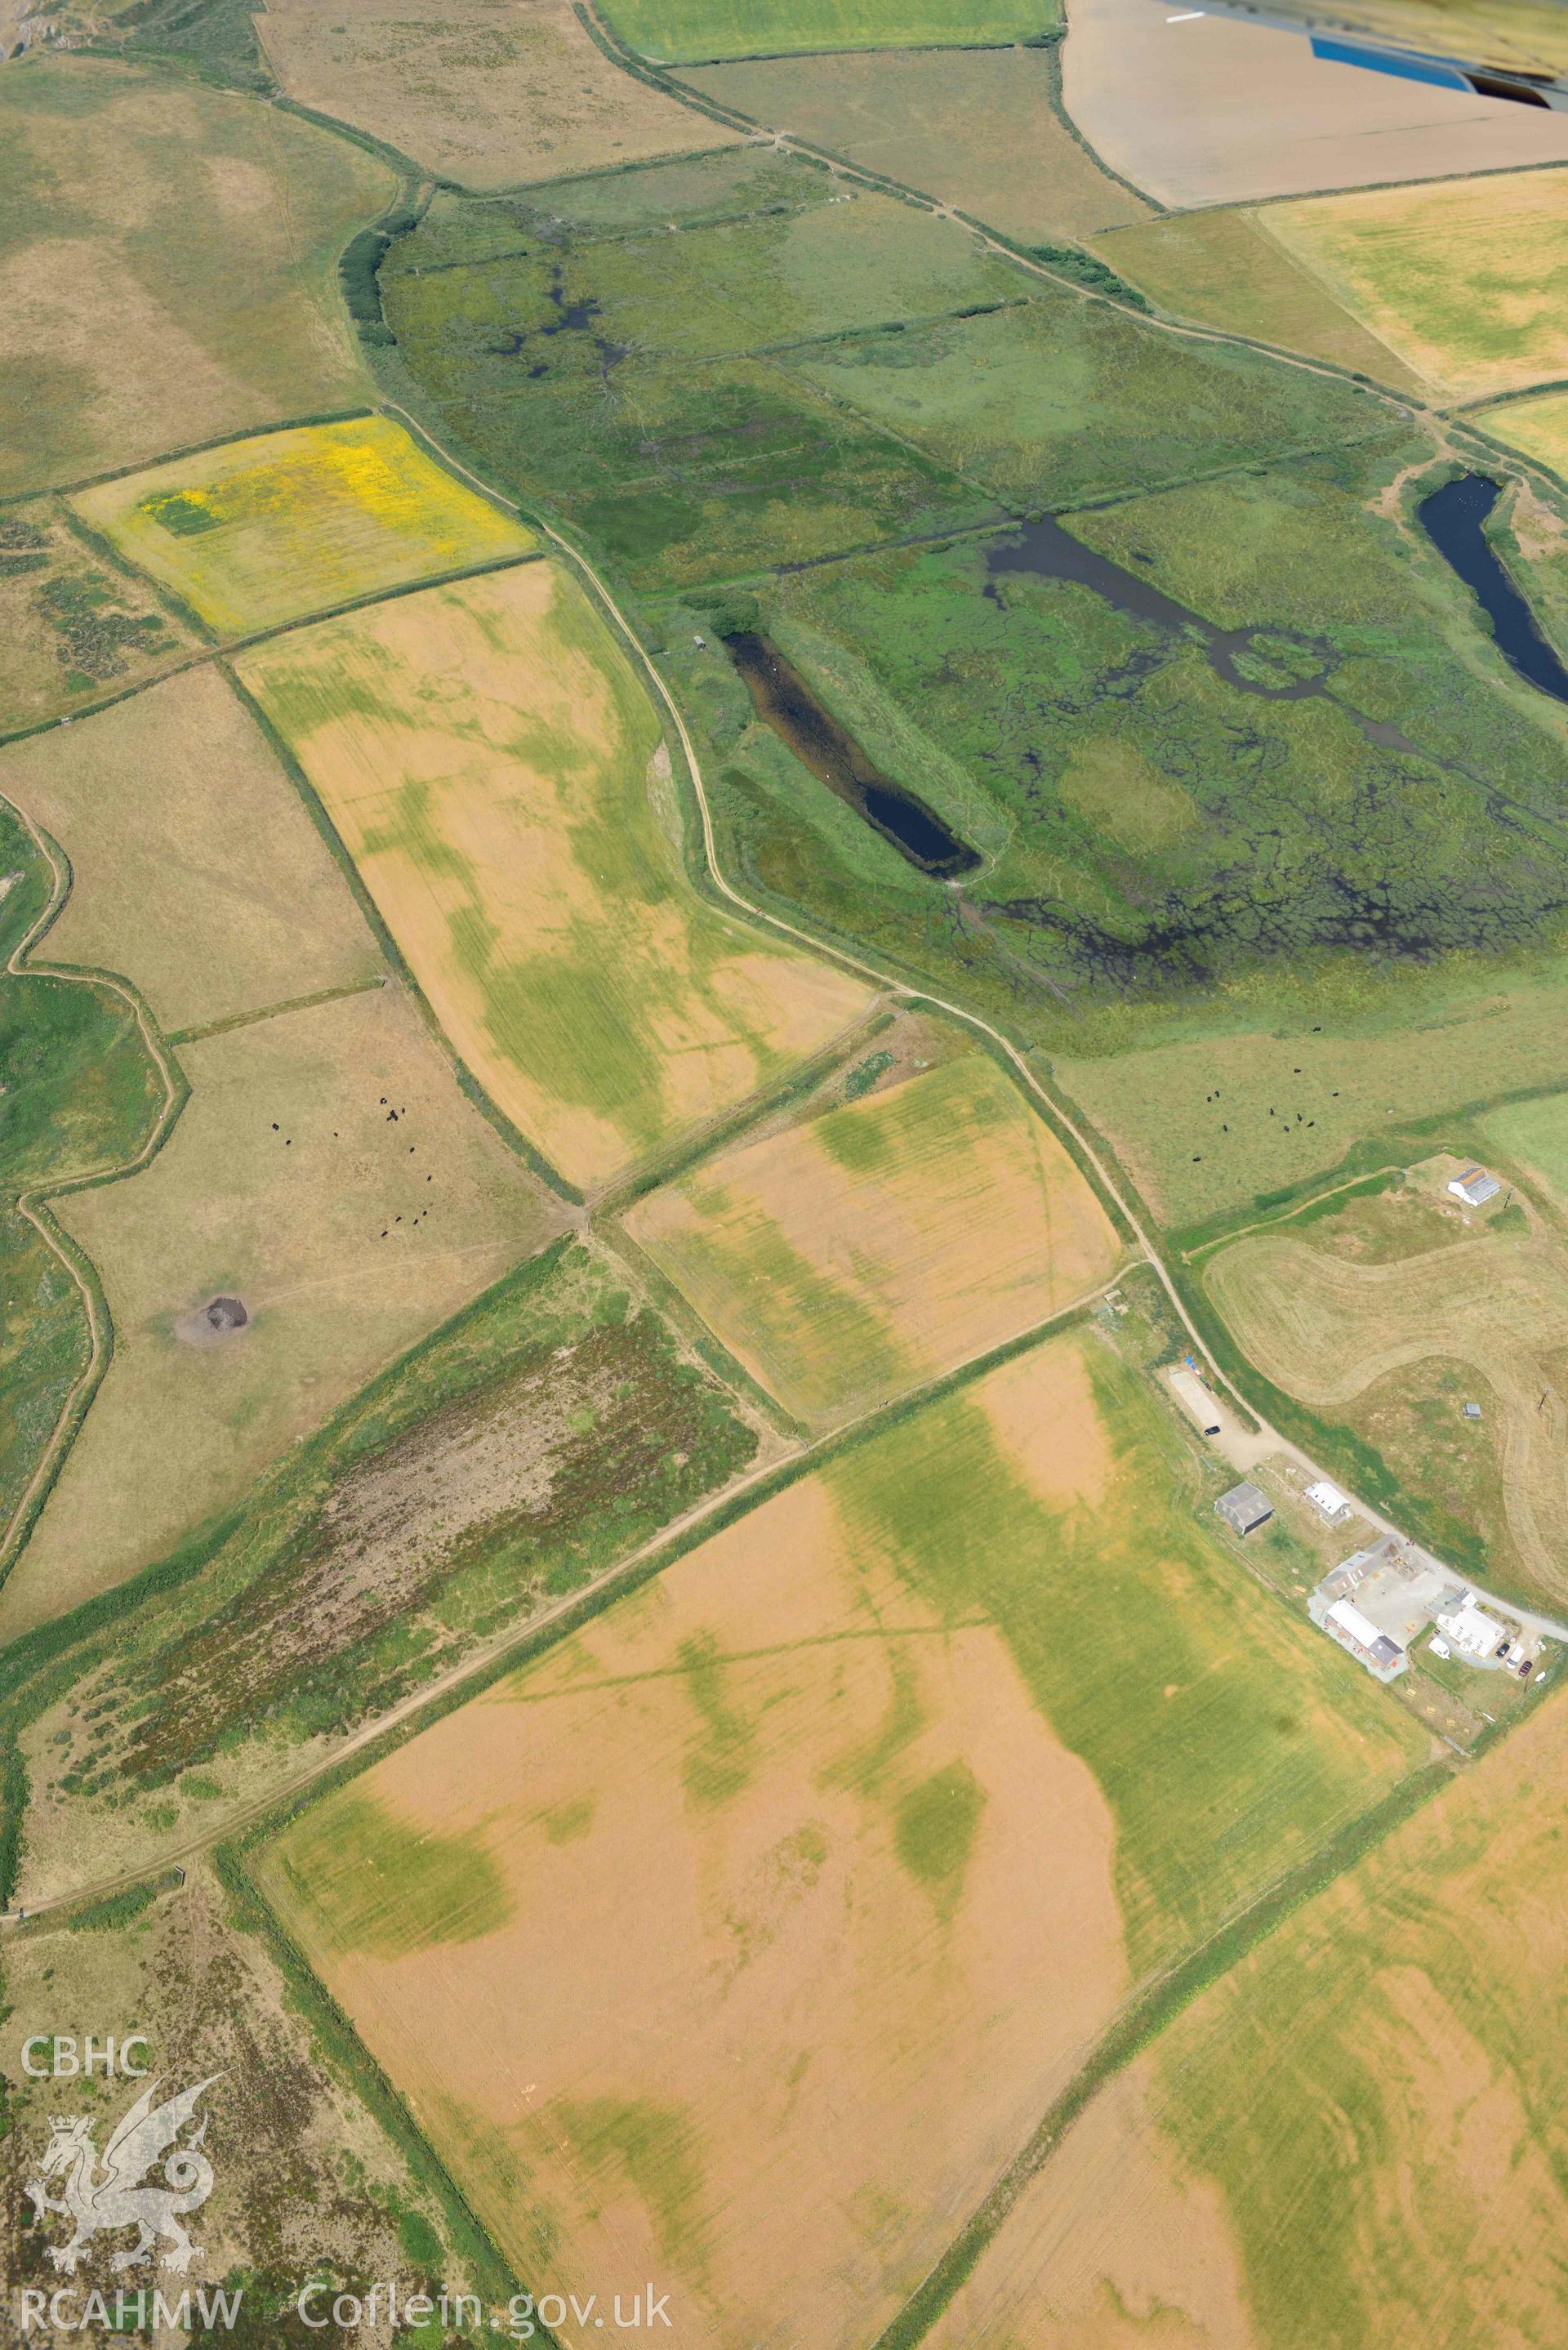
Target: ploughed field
x=884, y=1241
x=954, y=1717
x=495, y=769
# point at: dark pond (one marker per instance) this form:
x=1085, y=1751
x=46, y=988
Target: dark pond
x=784, y=700
x=1453, y=519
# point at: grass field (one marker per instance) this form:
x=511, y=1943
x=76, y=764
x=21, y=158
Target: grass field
x=44, y=1344
x=495, y=769
x=166, y=264
x=870, y=1742
x=569, y=311
x=978, y=129
x=268, y=530
x=484, y=96
x=70, y=627
x=1224, y=269
x=1192, y=1119
x=1534, y=1135
x=1326, y=1331
x=547, y=1431
x=884, y=1241
x=1463, y=278
x=1063, y=400
x=669, y=30
x=166, y=887
x=1404, y=2031
x=1537, y=427
x=282, y=1176
x=735, y=184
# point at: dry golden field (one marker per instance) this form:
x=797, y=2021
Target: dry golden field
x=346, y=1234
x=263, y=531
x=885, y=1241
x=495, y=767
x=1223, y=268
x=864, y=1814
x=488, y=93
x=1464, y=279
x=1207, y=110
x=1327, y=1330
x=1355, y=2136
x=159, y=804
x=168, y=265
x=1538, y=428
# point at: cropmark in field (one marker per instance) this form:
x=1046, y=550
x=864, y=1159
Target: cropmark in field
x=885, y=1241
x=865, y=1812
x=1327, y=1331
x=483, y=94
x=1464, y=278
x=495, y=769
x=1354, y=2137
x=265, y=531
x=328, y=1181
x=70, y=629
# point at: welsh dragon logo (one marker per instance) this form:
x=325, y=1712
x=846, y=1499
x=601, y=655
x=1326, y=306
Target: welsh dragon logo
x=117, y=2196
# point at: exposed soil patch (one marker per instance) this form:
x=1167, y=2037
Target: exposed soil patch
x=210, y=1325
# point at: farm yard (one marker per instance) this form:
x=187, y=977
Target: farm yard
x=264, y=531
x=165, y=886
x=1420, y=1996
x=1461, y=277
x=496, y=770
x=976, y=129
x=329, y=1175
x=166, y=266
x=1334, y=1335
x=484, y=96
x=869, y=1734
x=674, y=29
x=884, y=1241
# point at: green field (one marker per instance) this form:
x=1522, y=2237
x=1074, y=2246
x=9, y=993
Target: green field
x=1063, y=400
x=566, y=311
x=44, y=1347
x=1358, y=2129
x=1220, y=267
x=979, y=131
x=735, y=184
x=1535, y=1134
x=669, y=30
x=168, y=257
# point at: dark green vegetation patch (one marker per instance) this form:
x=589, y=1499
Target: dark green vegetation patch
x=545, y=1431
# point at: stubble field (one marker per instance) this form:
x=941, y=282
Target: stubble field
x=954, y=1719
x=168, y=258
x=495, y=768
x=885, y=1241
x=268, y=530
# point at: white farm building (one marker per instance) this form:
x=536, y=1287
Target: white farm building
x=1328, y=1501
x=1469, y=1627
x=1358, y=1633
x=1475, y=1187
